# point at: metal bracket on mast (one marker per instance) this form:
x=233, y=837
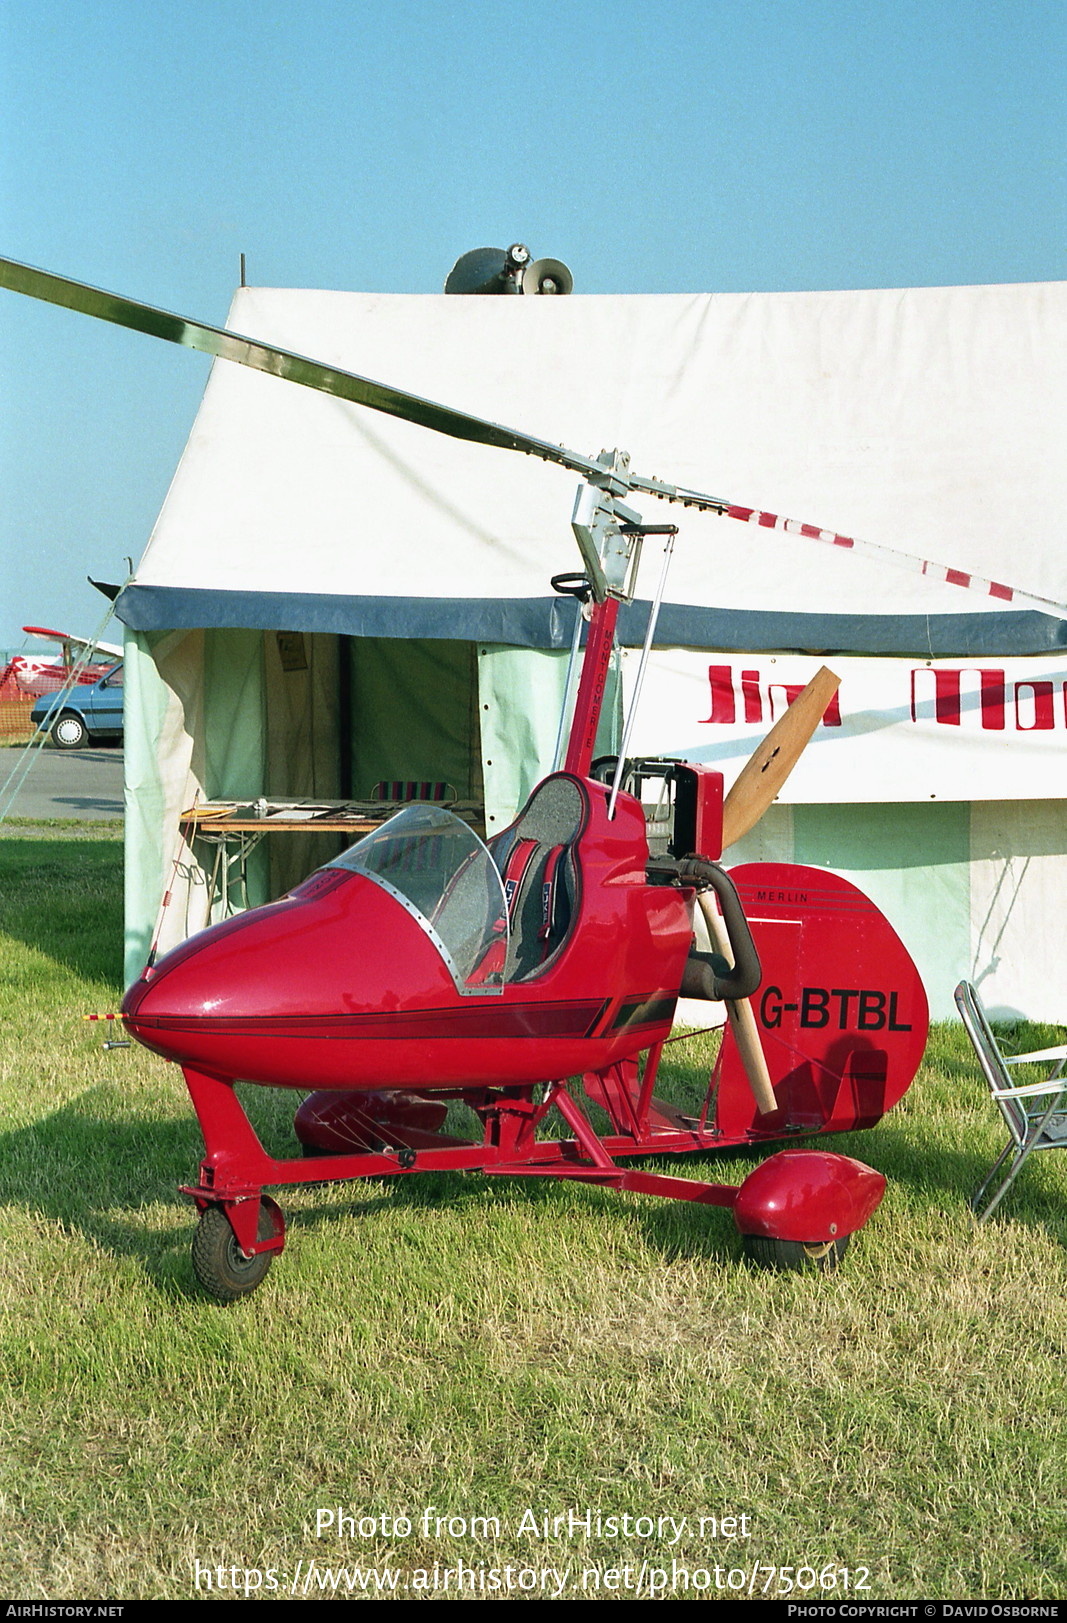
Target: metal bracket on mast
x=609, y=536
x=600, y=522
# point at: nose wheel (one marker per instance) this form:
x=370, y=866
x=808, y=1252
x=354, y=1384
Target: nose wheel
x=221, y=1267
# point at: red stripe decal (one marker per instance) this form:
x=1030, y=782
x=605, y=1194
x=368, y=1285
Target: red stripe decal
x=572, y=1018
x=768, y=520
x=996, y=590
x=843, y=541
x=956, y=577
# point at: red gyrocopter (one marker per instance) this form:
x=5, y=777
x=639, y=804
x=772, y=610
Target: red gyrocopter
x=425, y=966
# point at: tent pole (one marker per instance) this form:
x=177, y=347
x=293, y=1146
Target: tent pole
x=344, y=716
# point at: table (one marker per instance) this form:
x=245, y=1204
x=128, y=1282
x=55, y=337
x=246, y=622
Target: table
x=236, y=828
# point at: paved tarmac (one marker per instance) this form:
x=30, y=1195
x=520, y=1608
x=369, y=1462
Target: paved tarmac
x=67, y=783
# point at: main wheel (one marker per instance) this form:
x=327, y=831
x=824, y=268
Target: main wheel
x=796, y=1256
x=70, y=732
x=218, y=1261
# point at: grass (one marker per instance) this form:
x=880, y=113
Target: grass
x=491, y=1349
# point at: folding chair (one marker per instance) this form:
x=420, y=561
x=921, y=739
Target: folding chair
x=1036, y=1113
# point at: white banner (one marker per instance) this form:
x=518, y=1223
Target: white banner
x=899, y=729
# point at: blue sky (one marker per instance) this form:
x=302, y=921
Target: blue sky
x=729, y=145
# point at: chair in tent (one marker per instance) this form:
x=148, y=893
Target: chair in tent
x=1035, y=1113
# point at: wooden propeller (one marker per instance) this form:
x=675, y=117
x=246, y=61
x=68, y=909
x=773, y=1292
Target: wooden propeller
x=740, y=1015
x=767, y=768
x=755, y=788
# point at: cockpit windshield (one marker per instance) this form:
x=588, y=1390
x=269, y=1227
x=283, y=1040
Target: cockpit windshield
x=442, y=873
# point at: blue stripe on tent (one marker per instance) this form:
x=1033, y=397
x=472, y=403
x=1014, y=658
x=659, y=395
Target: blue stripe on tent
x=547, y=622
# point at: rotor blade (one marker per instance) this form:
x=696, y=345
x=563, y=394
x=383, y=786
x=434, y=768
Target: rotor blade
x=678, y=493
x=281, y=363
x=892, y=555
x=851, y=543
x=383, y=397
x=765, y=771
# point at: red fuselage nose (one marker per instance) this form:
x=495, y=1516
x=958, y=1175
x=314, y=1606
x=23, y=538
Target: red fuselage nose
x=345, y=983
x=272, y=996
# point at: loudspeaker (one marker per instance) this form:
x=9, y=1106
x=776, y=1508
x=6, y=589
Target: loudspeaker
x=507, y=270
x=547, y=276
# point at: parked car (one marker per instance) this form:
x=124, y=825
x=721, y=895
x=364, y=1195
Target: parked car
x=83, y=715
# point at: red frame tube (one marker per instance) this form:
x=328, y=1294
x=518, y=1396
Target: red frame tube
x=834, y=1195
x=590, y=701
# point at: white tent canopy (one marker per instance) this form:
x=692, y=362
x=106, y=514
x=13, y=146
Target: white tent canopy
x=417, y=569
x=929, y=420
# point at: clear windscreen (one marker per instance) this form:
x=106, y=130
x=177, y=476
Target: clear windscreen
x=444, y=875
